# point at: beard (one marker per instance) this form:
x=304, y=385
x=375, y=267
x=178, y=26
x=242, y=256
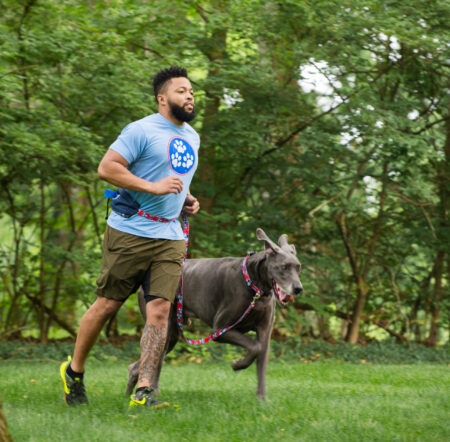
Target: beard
x=180, y=113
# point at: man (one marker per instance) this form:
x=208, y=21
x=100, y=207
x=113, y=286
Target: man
x=154, y=159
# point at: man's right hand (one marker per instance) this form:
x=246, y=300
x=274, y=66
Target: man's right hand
x=170, y=184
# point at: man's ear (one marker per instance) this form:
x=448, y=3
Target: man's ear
x=161, y=99
x=269, y=244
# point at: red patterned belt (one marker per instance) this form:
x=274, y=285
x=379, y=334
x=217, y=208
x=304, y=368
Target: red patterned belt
x=154, y=217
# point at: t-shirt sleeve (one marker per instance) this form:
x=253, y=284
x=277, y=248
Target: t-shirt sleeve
x=131, y=142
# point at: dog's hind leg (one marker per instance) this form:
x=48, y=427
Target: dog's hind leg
x=133, y=373
x=236, y=338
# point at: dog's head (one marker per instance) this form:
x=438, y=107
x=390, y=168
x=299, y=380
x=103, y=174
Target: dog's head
x=283, y=267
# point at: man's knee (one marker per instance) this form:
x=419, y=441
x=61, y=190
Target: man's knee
x=106, y=307
x=158, y=311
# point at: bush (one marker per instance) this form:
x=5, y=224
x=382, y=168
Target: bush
x=297, y=349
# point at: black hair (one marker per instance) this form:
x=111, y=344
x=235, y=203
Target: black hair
x=163, y=76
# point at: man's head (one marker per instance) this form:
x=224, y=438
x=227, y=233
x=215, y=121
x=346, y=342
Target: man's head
x=174, y=94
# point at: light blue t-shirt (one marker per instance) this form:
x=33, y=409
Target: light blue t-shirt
x=156, y=148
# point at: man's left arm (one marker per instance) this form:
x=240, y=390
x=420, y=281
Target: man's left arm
x=191, y=205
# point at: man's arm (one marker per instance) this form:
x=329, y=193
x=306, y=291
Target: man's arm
x=113, y=168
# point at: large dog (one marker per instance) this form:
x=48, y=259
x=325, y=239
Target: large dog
x=216, y=291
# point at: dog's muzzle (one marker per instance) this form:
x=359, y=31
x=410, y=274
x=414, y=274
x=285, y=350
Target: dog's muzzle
x=282, y=298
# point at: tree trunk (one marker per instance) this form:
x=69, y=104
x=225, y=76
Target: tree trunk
x=443, y=184
x=361, y=287
x=436, y=298
x=324, y=329
x=5, y=436
x=43, y=336
x=353, y=330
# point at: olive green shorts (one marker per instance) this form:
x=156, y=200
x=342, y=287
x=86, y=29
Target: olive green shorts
x=126, y=260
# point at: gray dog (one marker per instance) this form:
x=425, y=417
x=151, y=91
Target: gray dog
x=216, y=291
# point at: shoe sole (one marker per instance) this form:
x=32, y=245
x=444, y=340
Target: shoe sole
x=62, y=372
x=161, y=405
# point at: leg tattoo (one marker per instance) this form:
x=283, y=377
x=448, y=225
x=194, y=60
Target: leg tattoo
x=153, y=342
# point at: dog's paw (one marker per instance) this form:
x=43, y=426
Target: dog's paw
x=239, y=364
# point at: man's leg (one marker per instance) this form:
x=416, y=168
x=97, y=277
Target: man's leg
x=153, y=339
x=153, y=342
x=91, y=325
x=164, y=277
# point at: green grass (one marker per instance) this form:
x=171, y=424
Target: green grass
x=313, y=402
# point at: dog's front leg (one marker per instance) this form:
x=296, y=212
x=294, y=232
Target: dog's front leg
x=263, y=333
x=236, y=338
x=262, y=359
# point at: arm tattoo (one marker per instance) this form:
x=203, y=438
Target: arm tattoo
x=153, y=342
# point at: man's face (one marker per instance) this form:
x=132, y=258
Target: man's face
x=179, y=97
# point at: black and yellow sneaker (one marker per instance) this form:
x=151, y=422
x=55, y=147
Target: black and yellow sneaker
x=74, y=391
x=144, y=398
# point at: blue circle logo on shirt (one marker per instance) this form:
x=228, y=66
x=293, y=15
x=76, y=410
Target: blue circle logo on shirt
x=181, y=156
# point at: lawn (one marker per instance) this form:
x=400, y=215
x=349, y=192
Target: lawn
x=328, y=401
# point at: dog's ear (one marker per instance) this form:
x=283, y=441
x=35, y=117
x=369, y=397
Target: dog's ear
x=283, y=242
x=261, y=235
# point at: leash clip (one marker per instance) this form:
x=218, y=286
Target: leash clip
x=256, y=297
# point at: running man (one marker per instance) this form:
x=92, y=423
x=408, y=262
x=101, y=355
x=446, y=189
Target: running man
x=154, y=159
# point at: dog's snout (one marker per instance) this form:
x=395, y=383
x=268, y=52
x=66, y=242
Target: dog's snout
x=298, y=289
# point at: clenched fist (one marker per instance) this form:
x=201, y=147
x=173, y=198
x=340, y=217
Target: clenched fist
x=170, y=184
x=191, y=205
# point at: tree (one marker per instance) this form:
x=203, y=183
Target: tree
x=354, y=169
x=4, y=432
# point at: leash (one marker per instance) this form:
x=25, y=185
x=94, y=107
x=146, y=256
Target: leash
x=258, y=292
x=216, y=334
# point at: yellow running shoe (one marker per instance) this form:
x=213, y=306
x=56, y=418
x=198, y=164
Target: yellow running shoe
x=144, y=398
x=74, y=391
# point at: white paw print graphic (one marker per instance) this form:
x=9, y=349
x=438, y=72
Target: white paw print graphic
x=179, y=146
x=176, y=160
x=188, y=160
x=185, y=161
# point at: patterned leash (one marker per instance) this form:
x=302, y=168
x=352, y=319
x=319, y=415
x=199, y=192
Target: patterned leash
x=216, y=334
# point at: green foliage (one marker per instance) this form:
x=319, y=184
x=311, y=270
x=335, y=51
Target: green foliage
x=355, y=172
x=387, y=352
x=293, y=350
